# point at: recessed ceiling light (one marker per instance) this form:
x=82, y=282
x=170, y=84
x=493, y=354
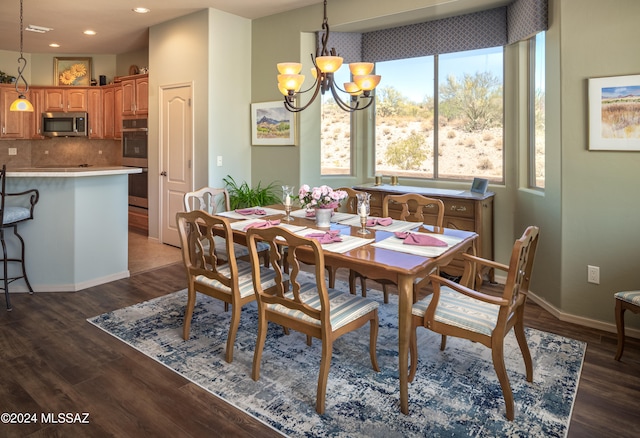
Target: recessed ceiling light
x=54, y=45
x=89, y=32
x=141, y=10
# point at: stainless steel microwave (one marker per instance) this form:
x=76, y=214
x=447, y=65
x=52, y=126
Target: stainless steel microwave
x=65, y=124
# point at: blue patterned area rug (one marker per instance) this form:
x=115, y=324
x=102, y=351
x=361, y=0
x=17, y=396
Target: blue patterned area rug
x=455, y=392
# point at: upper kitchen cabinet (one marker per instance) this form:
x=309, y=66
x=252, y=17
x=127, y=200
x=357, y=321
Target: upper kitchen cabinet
x=13, y=124
x=36, y=96
x=94, y=111
x=60, y=99
x=112, y=111
x=135, y=95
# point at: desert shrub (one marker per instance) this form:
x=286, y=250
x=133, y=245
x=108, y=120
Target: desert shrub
x=487, y=136
x=451, y=134
x=485, y=164
x=407, y=153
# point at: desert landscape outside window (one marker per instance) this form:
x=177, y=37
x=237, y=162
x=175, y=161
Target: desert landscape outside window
x=335, y=131
x=467, y=141
x=537, y=111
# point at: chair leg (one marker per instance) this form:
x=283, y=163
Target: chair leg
x=518, y=328
x=233, y=330
x=352, y=282
x=443, y=342
x=332, y=276
x=373, y=341
x=257, y=354
x=363, y=286
x=503, y=378
x=619, y=326
x=24, y=269
x=323, y=375
x=188, y=313
x=6, y=271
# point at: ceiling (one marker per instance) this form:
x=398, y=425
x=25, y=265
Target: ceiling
x=118, y=29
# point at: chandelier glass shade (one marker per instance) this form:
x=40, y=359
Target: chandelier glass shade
x=21, y=103
x=325, y=64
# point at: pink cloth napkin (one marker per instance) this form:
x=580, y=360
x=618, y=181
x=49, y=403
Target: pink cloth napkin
x=420, y=239
x=265, y=224
x=328, y=237
x=247, y=211
x=382, y=221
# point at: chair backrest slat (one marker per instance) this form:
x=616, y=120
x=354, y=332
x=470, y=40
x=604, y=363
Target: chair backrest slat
x=299, y=249
x=417, y=208
x=197, y=230
x=208, y=199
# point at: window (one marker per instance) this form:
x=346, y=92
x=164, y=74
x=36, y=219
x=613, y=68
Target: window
x=537, y=111
x=467, y=141
x=335, y=131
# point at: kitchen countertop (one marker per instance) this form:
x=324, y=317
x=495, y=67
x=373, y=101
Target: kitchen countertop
x=71, y=172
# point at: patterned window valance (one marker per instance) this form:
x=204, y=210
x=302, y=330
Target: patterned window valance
x=496, y=27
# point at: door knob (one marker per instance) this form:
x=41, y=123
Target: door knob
x=163, y=173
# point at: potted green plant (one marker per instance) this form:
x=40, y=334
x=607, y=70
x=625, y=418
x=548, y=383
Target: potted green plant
x=243, y=196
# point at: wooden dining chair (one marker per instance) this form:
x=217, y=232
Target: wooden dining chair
x=308, y=307
x=415, y=208
x=456, y=310
x=230, y=281
x=627, y=300
x=214, y=200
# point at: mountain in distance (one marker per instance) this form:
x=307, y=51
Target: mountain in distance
x=269, y=121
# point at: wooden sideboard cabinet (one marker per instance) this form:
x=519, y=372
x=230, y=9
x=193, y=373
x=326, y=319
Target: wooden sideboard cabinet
x=463, y=210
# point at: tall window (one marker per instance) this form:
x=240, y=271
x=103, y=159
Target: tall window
x=467, y=141
x=335, y=131
x=537, y=111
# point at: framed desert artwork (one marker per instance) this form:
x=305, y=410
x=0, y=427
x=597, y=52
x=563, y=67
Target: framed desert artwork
x=614, y=113
x=72, y=71
x=272, y=124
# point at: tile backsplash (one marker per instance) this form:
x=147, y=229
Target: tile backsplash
x=64, y=151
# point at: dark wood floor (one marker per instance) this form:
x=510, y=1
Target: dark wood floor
x=53, y=361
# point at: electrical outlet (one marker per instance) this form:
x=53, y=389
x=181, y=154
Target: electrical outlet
x=13, y=151
x=219, y=160
x=593, y=274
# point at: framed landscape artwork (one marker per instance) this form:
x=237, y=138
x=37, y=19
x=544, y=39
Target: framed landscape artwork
x=72, y=71
x=614, y=113
x=272, y=124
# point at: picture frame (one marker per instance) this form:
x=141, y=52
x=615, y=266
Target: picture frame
x=272, y=124
x=614, y=113
x=72, y=71
x=479, y=185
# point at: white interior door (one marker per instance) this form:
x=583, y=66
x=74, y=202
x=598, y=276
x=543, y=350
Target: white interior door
x=176, y=142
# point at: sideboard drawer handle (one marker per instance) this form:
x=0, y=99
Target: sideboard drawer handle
x=456, y=208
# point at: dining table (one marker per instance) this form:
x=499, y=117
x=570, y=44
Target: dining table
x=378, y=255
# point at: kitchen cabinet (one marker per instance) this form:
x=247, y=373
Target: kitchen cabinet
x=463, y=210
x=112, y=111
x=62, y=99
x=94, y=111
x=36, y=96
x=117, y=114
x=135, y=95
x=13, y=124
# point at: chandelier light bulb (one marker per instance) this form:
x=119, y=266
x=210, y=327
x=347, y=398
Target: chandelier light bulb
x=361, y=68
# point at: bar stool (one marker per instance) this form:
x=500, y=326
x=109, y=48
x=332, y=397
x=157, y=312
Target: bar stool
x=627, y=300
x=10, y=217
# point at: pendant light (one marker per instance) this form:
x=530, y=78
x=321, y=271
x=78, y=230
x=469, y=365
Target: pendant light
x=325, y=64
x=21, y=103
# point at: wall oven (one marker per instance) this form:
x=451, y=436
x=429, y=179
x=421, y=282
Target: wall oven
x=134, y=154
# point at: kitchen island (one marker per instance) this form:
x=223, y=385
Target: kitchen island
x=79, y=235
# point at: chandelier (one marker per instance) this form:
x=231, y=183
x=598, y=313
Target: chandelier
x=325, y=64
x=21, y=103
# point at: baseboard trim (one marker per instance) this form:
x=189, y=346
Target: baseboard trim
x=575, y=319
